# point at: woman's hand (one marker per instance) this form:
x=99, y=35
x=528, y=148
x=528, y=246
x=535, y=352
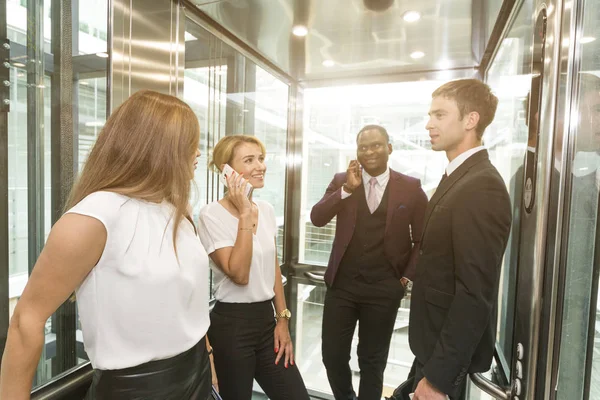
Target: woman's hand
x=283, y=342
x=215, y=381
x=236, y=194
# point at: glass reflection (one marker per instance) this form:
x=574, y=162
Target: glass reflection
x=581, y=320
x=514, y=134
x=332, y=118
x=90, y=20
x=231, y=95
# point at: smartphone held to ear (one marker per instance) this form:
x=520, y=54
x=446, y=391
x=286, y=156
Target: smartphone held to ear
x=230, y=172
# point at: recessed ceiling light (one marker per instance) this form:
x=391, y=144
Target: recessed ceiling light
x=411, y=16
x=299, y=30
x=417, y=54
x=18, y=65
x=328, y=63
x=102, y=55
x=587, y=39
x=84, y=83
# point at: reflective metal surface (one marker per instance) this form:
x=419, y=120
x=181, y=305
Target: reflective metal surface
x=535, y=235
x=353, y=39
x=563, y=149
x=147, y=48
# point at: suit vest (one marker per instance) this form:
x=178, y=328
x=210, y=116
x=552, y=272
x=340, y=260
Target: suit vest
x=365, y=256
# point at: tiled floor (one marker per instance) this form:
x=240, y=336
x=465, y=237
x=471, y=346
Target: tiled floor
x=308, y=347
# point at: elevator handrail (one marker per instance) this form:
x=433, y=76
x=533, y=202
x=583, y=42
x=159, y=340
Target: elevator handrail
x=315, y=277
x=490, y=387
x=73, y=384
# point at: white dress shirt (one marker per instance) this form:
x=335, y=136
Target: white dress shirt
x=457, y=162
x=382, y=181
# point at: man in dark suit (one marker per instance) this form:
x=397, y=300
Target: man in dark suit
x=467, y=223
x=379, y=222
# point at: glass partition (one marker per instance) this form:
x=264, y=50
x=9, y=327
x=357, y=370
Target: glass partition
x=232, y=95
x=332, y=118
x=509, y=77
x=30, y=136
x=579, y=360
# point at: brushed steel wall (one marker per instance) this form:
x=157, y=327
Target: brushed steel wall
x=148, y=48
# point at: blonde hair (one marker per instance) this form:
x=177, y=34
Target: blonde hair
x=225, y=149
x=145, y=151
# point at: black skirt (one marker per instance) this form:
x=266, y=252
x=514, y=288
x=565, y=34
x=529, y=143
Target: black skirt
x=186, y=376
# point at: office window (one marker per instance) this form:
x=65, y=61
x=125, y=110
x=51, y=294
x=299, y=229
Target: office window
x=230, y=96
x=332, y=118
x=28, y=124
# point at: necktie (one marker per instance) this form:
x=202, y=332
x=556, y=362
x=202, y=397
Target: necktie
x=372, y=198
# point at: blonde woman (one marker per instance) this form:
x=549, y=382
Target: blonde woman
x=249, y=323
x=127, y=247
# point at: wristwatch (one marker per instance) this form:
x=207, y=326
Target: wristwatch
x=284, y=314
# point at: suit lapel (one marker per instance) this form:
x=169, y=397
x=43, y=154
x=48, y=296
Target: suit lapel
x=451, y=181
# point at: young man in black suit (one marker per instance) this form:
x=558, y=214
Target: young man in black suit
x=467, y=222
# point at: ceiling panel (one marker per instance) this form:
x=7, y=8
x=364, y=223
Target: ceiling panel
x=357, y=41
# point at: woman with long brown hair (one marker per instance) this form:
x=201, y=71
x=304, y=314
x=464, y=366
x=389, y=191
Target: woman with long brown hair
x=129, y=250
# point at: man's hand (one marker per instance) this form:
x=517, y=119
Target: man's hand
x=404, y=281
x=353, y=175
x=426, y=391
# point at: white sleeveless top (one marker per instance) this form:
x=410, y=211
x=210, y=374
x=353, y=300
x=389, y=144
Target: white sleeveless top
x=218, y=228
x=139, y=303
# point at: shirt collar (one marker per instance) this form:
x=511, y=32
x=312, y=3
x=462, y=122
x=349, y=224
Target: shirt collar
x=381, y=179
x=457, y=162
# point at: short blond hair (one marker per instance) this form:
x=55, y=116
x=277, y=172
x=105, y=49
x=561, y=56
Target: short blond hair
x=225, y=149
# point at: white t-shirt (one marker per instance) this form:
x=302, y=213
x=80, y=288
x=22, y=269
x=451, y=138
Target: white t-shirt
x=139, y=303
x=218, y=228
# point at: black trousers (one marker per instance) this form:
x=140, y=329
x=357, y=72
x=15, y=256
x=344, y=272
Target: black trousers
x=186, y=376
x=417, y=372
x=375, y=309
x=242, y=338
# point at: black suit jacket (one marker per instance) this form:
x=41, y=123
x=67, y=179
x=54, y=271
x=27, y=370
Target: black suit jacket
x=454, y=299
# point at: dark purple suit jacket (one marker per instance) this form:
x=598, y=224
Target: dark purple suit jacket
x=404, y=225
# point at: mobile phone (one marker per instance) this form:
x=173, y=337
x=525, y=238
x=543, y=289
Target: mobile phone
x=230, y=172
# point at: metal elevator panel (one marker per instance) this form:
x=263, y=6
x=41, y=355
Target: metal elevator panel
x=148, y=48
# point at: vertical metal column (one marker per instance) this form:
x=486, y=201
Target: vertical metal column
x=3, y=187
x=35, y=143
x=235, y=91
x=63, y=169
x=293, y=202
x=249, y=104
